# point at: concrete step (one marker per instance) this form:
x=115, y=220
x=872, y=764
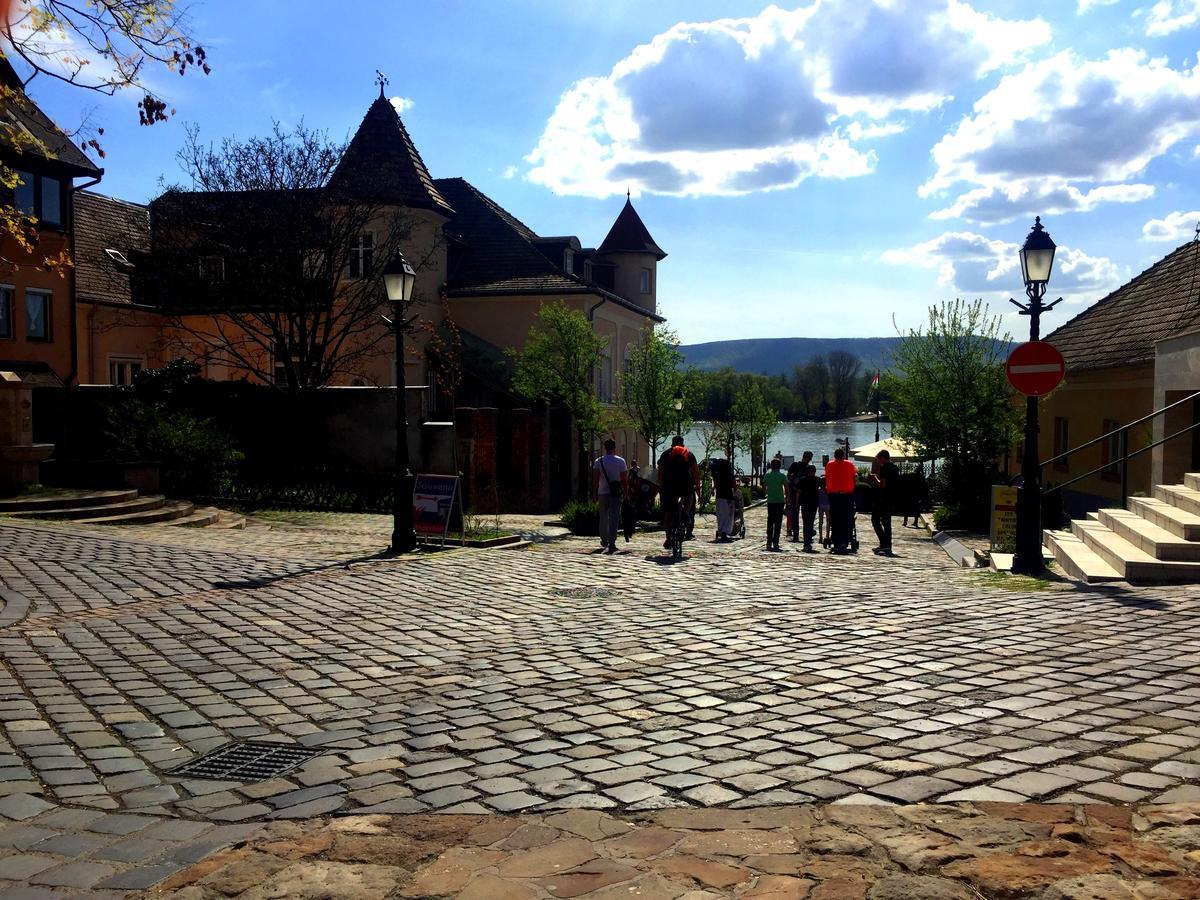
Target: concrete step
x=125, y=507
x=1077, y=560
x=1179, y=496
x=1179, y=522
x=1192, y=480
x=167, y=511
x=66, y=499
x=200, y=518
x=1156, y=541
x=1134, y=563
x=231, y=520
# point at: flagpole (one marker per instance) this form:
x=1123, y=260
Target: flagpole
x=876, y=386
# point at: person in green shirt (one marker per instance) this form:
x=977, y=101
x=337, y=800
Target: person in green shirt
x=776, y=484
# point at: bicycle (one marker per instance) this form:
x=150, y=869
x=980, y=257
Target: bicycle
x=678, y=529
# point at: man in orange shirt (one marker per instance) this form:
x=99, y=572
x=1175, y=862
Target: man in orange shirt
x=840, y=477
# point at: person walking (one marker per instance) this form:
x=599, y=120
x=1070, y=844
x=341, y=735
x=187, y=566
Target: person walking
x=795, y=473
x=885, y=483
x=678, y=479
x=776, y=484
x=610, y=485
x=722, y=472
x=840, y=477
x=809, y=502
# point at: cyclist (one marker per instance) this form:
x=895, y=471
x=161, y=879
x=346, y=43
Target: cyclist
x=678, y=478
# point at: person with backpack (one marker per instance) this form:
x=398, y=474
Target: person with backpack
x=795, y=474
x=610, y=484
x=678, y=479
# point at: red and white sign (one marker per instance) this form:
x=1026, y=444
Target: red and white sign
x=1036, y=368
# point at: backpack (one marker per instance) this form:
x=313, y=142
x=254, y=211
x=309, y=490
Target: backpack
x=677, y=472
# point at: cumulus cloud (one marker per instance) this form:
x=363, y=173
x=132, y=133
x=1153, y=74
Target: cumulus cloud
x=1086, y=5
x=1053, y=130
x=1175, y=227
x=734, y=106
x=973, y=265
x=401, y=104
x=1168, y=16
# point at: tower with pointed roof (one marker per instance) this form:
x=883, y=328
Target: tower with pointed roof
x=633, y=256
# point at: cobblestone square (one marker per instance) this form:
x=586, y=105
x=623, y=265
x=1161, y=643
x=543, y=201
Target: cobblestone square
x=551, y=679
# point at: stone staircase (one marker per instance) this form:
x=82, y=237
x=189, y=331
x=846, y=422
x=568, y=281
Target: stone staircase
x=120, y=507
x=1154, y=540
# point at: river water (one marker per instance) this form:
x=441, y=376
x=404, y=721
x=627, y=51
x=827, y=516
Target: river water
x=793, y=438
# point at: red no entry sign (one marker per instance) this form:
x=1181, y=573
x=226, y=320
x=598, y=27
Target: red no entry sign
x=1036, y=368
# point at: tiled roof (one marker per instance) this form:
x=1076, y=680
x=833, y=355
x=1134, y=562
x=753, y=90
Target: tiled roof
x=105, y=223
x=1122, y=329
x=382, y=164
x=49, y=141
x=495, y=254
x=630, y=235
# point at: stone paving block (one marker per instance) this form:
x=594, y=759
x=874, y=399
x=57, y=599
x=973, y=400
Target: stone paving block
x=25, y=865
x=79, y=874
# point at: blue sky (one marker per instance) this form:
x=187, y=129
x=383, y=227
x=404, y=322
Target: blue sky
x=818, y=170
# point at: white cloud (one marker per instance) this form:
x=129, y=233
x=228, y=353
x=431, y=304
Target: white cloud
x=1168, y=16
x=972, y=265
x=510, y=172
x=739, y=105
x=1087, y=5
x=1050, y=132
x=1175, y=227
x=401, y=104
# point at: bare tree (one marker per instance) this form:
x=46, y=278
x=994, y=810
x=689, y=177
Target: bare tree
x=266, y=266
x=843, y=376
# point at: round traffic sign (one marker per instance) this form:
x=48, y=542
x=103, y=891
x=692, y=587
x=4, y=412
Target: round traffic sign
x=1036, y=368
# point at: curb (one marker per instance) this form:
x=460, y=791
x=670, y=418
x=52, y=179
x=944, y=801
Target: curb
x=963, y=555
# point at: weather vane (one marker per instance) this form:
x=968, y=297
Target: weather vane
x=381, y=80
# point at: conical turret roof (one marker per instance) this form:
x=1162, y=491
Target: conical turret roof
x=630, y=235
x=382, y=164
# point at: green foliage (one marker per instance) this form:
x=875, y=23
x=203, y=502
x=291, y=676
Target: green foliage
x=582, y=517
x=649, y=385
x=753, y=422
x=948, y=518
x=556, y=366
x=148, y=422
x=828, y=387
x=948, y=395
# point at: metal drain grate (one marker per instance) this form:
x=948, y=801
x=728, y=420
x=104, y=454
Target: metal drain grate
x=246, y=761
x=583, y=593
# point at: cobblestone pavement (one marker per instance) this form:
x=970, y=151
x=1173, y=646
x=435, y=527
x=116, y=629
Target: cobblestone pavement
x=958, y=852
x=552, y=679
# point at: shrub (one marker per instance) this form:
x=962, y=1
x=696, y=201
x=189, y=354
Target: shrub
x=948, y=518
x=582, y=517
x=747, y=494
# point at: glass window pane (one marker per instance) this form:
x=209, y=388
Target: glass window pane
x=5, y=312
x=23, y=194
x=37, y=316
x=51, y=201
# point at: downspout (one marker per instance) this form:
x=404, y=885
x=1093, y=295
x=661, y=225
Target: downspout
x=74, y=337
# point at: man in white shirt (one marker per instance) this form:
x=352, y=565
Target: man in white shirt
x=610, y=484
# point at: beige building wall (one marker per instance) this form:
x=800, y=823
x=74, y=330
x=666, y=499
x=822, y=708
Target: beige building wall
x=1086, y=401
x=627, y=279
x=111, y=333
x=1176, y=377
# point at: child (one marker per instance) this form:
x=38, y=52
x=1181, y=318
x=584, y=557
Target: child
x=776, y=484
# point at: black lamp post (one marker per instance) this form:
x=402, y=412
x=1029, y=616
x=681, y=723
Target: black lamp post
x=679, y=411
x=1037, y=259
x=398, y=281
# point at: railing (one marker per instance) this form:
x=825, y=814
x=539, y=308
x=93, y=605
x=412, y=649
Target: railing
x=1124, y=456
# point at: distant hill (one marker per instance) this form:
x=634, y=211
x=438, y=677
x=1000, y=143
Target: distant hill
x=775, y=356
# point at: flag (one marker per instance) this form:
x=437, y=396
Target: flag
x=875, y=382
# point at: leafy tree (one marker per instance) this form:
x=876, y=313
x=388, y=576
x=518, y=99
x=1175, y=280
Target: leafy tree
x=262, y=209
x=556, y=366
x=102, y=47
x=947, y=394
x=754, y=422
x=843, y=379
x=649, y=385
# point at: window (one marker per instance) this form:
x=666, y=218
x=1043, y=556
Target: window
x=23, y=194
x=212, y=268
x=569, y=261
x=645, y=281
x=1062, y=441
x=6, y=311
x=360, y=262
x=51, y=206
x=37, y=315
x=1110, y=449
x=122, y=369
x=587, y=271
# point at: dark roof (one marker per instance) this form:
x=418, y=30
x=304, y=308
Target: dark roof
x=105, y=223
x=33, y=373
x=1122, y=329
x=495, y=254
x=49, y=142
x=629, y=235
x=382, y=164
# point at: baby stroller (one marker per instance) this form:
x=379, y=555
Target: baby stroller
x=739, y=514
x=852, y=544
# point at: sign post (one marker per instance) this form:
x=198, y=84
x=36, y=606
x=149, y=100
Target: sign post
x=433, y=501
x=1035, y=368
x=1004, y=517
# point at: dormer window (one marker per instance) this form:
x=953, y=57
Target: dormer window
x=645, y=281
x=569, y=261
x=587, y=271
x=120, y=260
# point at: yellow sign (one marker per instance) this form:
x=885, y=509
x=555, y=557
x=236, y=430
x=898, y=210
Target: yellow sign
x=1004, y=517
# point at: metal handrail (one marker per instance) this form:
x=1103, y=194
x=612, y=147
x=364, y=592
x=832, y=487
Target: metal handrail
x=1103, y=437
x=1123, y=459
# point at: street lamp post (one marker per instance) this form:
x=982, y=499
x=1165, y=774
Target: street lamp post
x=1037, y=259
x=398, y=281
x=679, y=410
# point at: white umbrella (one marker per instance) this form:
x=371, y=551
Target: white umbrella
x=899, y=450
